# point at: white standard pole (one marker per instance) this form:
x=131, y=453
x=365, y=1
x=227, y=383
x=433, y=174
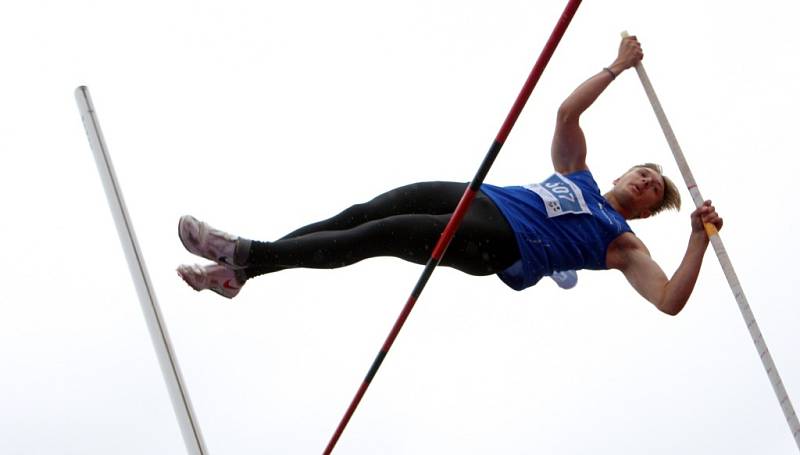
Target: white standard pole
x=725, y=261
x=141, y=280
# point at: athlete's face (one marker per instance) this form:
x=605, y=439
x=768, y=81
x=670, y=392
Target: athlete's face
x=639, y=190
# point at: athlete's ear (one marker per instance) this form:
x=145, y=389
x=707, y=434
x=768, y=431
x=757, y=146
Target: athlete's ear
x=644, y=214
x=615, y=181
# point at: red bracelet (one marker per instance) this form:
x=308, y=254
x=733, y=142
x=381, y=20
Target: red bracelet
x=613, y=76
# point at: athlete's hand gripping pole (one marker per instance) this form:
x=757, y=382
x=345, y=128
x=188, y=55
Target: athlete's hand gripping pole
x=724, y=259
x=461, y=209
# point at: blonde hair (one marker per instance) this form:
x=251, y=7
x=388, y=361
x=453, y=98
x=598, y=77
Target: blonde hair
x=671, y=198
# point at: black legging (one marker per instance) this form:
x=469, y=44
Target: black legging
x=405, y=223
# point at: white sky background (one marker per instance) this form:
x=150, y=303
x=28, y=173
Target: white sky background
x=259, y=117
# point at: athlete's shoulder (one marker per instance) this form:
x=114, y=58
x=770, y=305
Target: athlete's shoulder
x=584, y=178
x=621, y=248
x=582, y=173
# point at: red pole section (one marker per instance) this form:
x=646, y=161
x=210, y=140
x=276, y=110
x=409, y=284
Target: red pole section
x=538, y=69
x=460, y=211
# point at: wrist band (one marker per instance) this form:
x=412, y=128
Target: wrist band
x=613, y=76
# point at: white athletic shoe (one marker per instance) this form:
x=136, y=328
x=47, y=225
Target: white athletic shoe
x=217, y=278
x=201, y=239
x=566, y=279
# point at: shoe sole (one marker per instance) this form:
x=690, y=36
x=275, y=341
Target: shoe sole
x=230, y=265
x=216, y=290
x=219, y=292
x=188, y=282
x=180, y=234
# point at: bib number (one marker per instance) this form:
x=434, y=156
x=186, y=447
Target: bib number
x=560, y=196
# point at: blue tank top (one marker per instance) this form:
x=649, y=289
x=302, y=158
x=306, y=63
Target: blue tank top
x=563, y=223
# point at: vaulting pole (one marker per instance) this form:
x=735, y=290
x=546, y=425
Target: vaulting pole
x=461, y=209
x=141, y=280
x=724, y=260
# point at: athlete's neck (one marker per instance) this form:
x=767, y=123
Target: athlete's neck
x=614, y=202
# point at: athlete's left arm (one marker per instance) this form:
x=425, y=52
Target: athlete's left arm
x=642, y=272
x=568, y=150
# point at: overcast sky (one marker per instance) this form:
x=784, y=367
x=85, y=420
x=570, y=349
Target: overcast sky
x=260, y=117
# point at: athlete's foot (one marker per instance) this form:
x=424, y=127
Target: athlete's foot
x=566, y=279
x=201, y=239
x=218, y=278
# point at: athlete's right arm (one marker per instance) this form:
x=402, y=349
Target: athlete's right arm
x=568, y=150
x=628, y=254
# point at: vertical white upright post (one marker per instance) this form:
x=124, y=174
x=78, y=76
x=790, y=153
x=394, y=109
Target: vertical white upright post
x=141, y=280
x=725, y=261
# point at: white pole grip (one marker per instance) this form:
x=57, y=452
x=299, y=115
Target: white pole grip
x=724, y=259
